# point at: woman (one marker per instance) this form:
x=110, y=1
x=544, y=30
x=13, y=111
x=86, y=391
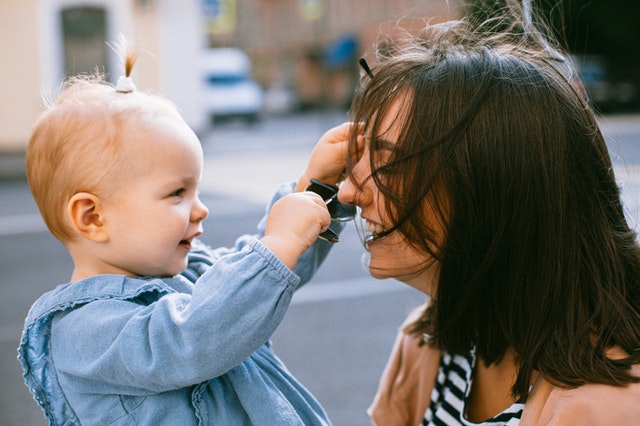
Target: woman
x=484, y=182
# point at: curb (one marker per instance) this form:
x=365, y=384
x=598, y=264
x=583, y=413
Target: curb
x=12, y=166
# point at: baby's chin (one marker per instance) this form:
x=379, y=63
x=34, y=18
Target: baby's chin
x=165, y=272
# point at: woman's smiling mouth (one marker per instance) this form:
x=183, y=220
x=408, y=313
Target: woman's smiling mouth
x=373, y=231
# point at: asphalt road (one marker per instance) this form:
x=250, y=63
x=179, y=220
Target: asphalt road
x=338, y=332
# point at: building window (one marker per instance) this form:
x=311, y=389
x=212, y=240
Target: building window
x=84, y=35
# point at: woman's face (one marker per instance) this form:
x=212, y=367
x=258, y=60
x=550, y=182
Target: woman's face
x=390, y=256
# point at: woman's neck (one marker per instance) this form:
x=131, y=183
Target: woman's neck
x=490, y=392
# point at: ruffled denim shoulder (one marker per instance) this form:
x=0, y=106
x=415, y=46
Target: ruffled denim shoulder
x=33, y=352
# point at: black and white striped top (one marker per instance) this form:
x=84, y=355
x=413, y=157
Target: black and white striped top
x=451, y=391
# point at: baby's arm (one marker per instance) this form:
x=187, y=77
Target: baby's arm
x=294, y=223
x=290, y=228
x=296, y=220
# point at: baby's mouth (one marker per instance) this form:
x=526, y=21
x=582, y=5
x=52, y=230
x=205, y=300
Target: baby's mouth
x=187, y=242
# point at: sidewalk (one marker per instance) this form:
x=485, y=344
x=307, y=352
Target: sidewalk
x=253, y=180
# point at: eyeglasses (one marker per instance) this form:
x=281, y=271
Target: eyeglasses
x=338, y=211
x=365, y=66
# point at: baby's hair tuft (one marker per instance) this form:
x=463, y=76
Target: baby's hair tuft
x=127, y=56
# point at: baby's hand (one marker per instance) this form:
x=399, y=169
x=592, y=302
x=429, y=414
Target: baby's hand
x=293, y=225
x=328, y=159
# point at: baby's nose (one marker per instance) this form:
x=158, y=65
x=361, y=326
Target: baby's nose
x=199, y=211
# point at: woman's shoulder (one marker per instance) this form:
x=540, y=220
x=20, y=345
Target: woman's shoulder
x=593, y=404
x=407, y=381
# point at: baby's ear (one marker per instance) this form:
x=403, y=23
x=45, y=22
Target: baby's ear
x=86, y=216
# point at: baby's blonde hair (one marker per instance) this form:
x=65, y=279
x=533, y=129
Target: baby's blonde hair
x=79, y=143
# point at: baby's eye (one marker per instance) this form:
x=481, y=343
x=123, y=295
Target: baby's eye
x=178, y=192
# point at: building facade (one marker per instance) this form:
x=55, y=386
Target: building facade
x=312, y=46
x=307, y=47
x=43, y=41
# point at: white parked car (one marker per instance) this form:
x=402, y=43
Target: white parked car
x=230, y=89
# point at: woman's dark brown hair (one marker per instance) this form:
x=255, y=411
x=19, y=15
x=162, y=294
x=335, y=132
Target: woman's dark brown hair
x=499, y=144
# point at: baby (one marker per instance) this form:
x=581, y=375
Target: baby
x=155, y=327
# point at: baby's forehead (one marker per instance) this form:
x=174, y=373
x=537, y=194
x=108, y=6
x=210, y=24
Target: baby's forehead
x=158, y=132
x=113, y=123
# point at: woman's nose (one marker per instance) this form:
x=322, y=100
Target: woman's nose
x=347, y=192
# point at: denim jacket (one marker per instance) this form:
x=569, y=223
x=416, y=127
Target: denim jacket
x=186, y=350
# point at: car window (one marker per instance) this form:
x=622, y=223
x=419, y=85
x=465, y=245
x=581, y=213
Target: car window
x=225, y=79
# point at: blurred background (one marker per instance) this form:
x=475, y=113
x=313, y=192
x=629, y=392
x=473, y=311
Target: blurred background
x=260, y=81
x=290, y=55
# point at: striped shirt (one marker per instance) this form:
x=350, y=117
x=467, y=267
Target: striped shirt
x=449, y=396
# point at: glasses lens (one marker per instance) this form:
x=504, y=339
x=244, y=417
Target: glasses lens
x=330, y=236
x=338, y=211
x=342, y=212
x=322, y=189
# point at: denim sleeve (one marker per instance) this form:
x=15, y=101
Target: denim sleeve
x=311, y=259
x=202, y=257
x=115, y=346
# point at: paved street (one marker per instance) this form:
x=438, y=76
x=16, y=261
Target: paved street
x=337, y=334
